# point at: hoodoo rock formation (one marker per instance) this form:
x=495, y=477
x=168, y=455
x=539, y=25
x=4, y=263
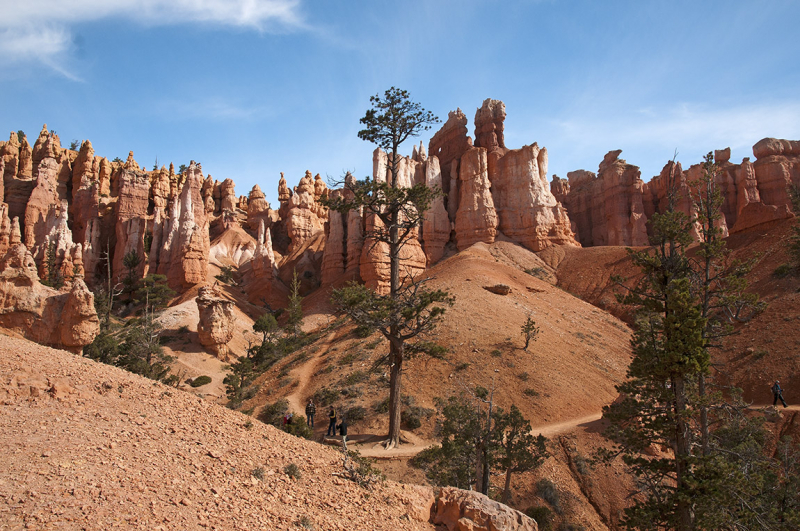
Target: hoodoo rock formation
x=75, y=210
x=65, y=318
x=612, y=207
x=216, y=325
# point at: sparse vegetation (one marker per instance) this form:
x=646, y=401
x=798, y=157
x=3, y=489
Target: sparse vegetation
x=782, y=270
x=530, y=392
x=538, y=272
x=355, y=377
x=293, y=471
x=305, y=522
x=257, y=473
x=548, y=491
x=529, y=331
x=201, y=380
x=543, y=516
x=794, y=238
x=226, y=275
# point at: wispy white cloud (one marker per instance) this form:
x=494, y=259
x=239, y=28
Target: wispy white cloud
x=648, y=136
x=213, y=109
x=686, y=124
x=39, y=30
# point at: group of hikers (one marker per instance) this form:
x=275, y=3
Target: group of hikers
x=311, y=412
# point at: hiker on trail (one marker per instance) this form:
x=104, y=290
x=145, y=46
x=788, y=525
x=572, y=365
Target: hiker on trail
x=343, y=429
x=287, y=418
x=777, y=393
x=332, y=426
x=311, y=410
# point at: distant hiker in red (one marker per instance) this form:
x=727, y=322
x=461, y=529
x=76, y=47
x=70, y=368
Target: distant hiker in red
x=332, y=425
x=311, y=410
x=777, y=393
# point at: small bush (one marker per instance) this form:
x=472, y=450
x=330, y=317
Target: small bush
x=538, y=272
x=374, y=344
x=382, y=406
x=496, y=353
x=523, y=376
x=582, y=464
x=543, y=516
x=293, y=471
x=462, y=366
x=305, y=522
x=355, y=377
x=548, y=491
x=352, y=392
x=349, y=358
x=782, y=270
x=569, y=526
x=363, y=331
x=326, y=396
x=530, y=392
x=299, y=428
x=412, y=416
x=355, y=413
x=257, y=473
x=410, y=420
x=201, y=380
x=272, y=414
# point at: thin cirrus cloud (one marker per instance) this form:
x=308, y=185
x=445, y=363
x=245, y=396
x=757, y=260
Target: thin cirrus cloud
x=737, y=127
x=39, y=30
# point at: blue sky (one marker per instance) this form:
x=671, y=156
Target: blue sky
x=251, y=88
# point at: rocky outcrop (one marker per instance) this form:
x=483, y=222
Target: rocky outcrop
x=257, y=208
x=476, y=218
x=777, y=166
x=303, y=219
x=216, y=325
x=436, y=226
x=527, y=211
x=131, y=218
x=466, y=510
x=606, y=208
x=489, y=120
x=334, y=257
x=62, y=319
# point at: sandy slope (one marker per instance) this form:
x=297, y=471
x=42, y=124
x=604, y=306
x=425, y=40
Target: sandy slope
x=112, y=449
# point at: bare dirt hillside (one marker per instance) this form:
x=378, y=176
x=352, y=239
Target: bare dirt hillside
x=88, y=446
x=568, y=373
x=763, y=349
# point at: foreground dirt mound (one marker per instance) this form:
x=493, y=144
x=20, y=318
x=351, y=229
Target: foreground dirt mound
x=90, y=446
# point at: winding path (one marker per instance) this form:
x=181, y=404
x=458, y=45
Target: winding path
x=376, y=450
x=304, y=372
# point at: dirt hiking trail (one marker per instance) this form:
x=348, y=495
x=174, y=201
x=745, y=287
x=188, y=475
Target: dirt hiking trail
x=374, y=448
x=304, y=372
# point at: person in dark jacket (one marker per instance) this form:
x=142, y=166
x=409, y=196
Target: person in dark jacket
x=311, y=410
x=343, y=430
x=332, y=425
x=777, y=393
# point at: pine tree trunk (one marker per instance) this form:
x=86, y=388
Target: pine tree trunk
x=395, y=389
x=485, y=475
x=395, y=342
x=682, y=451
x=701, y=390
x=507, y=488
